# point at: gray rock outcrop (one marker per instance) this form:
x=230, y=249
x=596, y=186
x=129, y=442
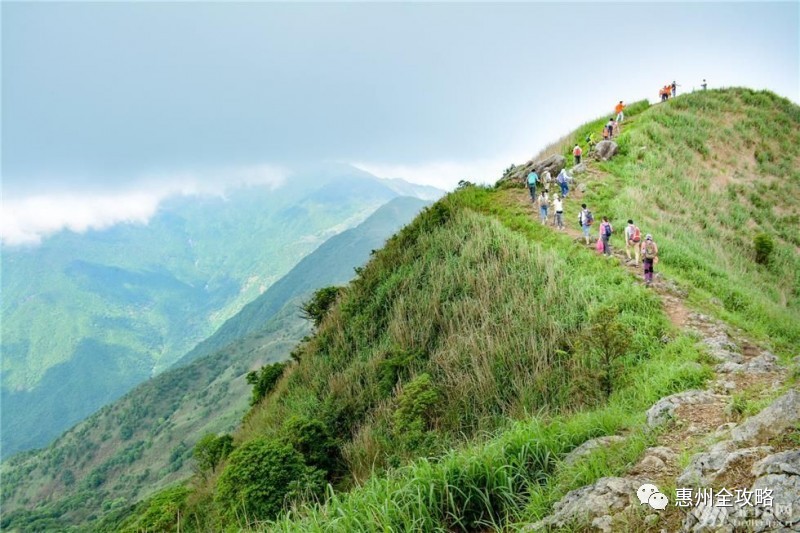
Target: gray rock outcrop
x=605, y=150
x=773, y=421
x=594, y=505
x=664, y=409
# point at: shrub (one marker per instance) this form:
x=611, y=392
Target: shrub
x=317, y=307
x=764, y=246
x=264, y=380
x=210, y=450
x=415, y=410
x=261, y=477
x=313, y=440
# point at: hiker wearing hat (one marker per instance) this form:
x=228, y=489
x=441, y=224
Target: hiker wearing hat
x=649, y=258
x=563, y=181
x=633, y=242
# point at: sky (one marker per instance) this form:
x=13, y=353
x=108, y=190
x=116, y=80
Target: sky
x=108, y=108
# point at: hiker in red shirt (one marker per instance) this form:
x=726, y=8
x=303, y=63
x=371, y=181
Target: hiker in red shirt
x=576, y=153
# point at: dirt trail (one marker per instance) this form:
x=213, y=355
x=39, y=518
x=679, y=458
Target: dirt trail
x=696, y=418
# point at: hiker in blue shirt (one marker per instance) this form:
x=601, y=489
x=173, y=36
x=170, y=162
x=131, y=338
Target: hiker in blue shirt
x=533, y=177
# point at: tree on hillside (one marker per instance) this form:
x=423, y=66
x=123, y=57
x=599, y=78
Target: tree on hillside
x=322, y=300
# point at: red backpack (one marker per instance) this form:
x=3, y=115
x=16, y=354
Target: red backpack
x=636, y=236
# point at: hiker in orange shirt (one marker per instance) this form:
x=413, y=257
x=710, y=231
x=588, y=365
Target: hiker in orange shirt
x=620, y=115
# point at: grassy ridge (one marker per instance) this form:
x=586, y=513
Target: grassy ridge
x=706, y=173
x=478, y=347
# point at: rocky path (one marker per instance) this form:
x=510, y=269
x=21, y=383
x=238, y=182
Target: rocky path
x=726, y=450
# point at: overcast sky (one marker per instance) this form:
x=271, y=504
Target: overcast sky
x=104, y=99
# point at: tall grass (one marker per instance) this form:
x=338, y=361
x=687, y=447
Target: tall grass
x=706, y=173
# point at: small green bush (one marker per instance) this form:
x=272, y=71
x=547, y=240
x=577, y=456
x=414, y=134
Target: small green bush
x=317, y=307
x=415, y=410
x=261, y=477
x=264, y=380
x=312, y=438
x=210, y=450
x=764, y=246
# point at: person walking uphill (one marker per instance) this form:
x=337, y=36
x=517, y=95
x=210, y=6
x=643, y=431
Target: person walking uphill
x=619, y=110
x=558, y=205
x=633, y=238
x=649, y=258
x=605, y=235
x=585, y=220
x=577, y=153
x=533, y=178
x=563, y=181
x=544, y=205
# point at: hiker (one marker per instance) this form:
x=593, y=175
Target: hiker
x=585, y=221
x=576, y=153
x=532, y=179
x=610, y=127
x=633, y=238
x=605, y=234
x=605, y=133
x=649, y=258
x=664, y=93
x=704, y=85
x=619, y=110
x=590, y=141
x=563, y=181
x=546, y=178
x=558, y=205
x=674, y=88
x=544, y=204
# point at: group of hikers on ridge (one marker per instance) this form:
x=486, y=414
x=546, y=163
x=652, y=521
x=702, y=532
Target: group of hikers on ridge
x=635, y=246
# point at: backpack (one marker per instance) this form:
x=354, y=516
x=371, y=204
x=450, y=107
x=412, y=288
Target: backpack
x=543, y=202
x=636, y=236
x=607, y=229
x=589, y=218
x=649, y=250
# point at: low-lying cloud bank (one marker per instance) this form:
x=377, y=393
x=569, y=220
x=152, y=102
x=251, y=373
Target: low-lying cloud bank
x=26, y=220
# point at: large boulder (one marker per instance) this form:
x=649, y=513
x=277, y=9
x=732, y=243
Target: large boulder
x=605, y=150
x=773, y=421
x=593, y=507
x=552, y=164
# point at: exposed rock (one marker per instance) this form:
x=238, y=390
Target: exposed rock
x=763, y=364
x=655, y=461
x=777, y=510
x=589, y=446
x=552, y=164
x=770, y=422
x=780, y=474
x=579, y=169
x=582, y=187
x=705, y=467
x=722, y=348
x=664, y=409
x=594, y=505
x=605, y=150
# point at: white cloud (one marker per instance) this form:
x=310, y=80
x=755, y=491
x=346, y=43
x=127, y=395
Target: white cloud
x=444, y=174
x=29, y=219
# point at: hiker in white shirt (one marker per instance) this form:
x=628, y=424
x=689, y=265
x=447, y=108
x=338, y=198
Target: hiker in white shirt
x=558, y=205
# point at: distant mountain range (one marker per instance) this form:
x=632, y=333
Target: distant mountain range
x=86, y=317
x=144, y=440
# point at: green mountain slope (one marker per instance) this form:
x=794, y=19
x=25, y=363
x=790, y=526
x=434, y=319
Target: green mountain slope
x=86, y=317
x=145, y=440
x=445, y=385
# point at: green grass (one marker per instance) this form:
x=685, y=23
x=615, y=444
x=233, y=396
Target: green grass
x=706, y=173
x=477, y=347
